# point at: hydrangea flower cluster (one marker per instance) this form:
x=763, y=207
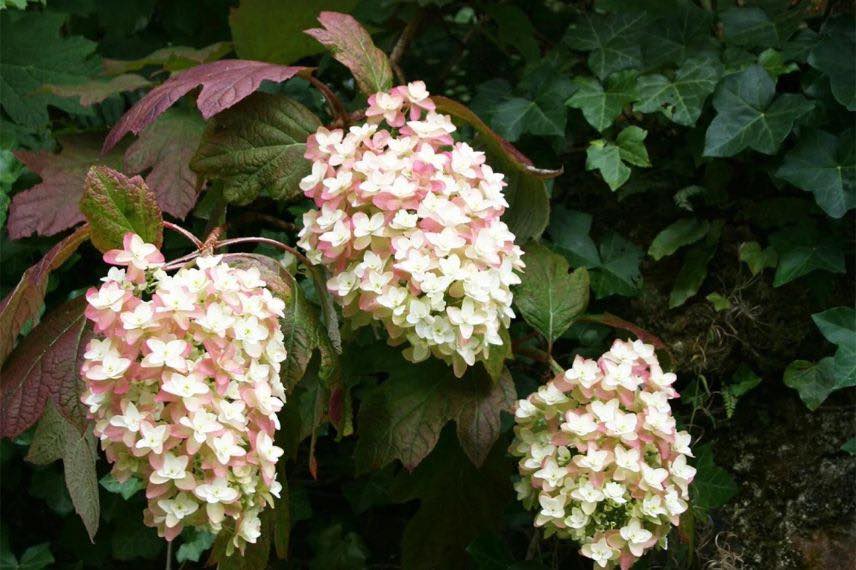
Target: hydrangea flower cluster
x=601, y=459
x=408, y=222
x=184, y=389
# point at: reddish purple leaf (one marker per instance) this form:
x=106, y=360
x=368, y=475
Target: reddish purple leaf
x=50, y=206
x=166, y=147
x=223, y=83
x=25, y=301
x=46, y=367
x=492, y=140
x=352, y=46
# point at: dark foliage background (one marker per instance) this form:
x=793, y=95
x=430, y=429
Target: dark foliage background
x=709, y=163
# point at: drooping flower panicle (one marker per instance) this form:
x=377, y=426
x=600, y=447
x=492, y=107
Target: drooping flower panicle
x=601, y=459
x=408, y=222
x=183, y=387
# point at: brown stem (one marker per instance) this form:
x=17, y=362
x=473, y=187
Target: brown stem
x=337, y=109
x=402, y=43
x=211, y=240
x=176, y=228
x=267, y=241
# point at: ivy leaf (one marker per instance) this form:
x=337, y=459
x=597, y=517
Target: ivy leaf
x=824, y=165
x=685, y=231
x=256, y=146
x=814, y=382
x=52, y=205
x=680, y=32
x=694, y=269
x=126, y=489
x=613, y=41
x=224, y=84
x=618, y=271
x=713, y=486
x=570, y=232
x=170, y=58
x=402, y=418
x=194, y=545
x=609, y=158
x=680, y=99
x=24, y=303
x=756, y=258
x=838, y=325
x=544, y=114
x=834, y=55
x=805, y=249
x=750, y=115
x=97, y=90
x=164, y=149
x=33, y=53
x=269, y=30
x=44, y=368
x=549, y=297
x=35, y=557
x=352, y=46
x=458, y=502
x=600, y=106
x=115, y=205
x=749, y=27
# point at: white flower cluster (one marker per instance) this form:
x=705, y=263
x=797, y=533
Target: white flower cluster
x=601, y=459
x=408, y=222
x=184, y=389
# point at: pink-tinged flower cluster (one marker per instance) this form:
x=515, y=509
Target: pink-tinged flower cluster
x=183, y=387
x=601, y=459
x=408, y=222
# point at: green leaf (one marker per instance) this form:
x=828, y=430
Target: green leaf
x=694, y=270
x=32, y=54
x=681, y=31
x=758, y=259
x=545, y=114
x=49, y=439
x=570, y=232
x=457, y=503
x=194, y=543
x=304, y=334
x=352, y=46
x=849, y=446
x=743, y=380
x=601, y=105
x=750, y=115
x=834, y=55
x=549, y=297
x=170, y=58
x=803, y=250
x=610, y=158
x=719, y=302
x=270, y=30
x=402, y=417
x=515, y=31
x=36, y=557
x=97, y=90
x=814, y=382
x=749, y=27
x=618, y=271
x=528, y=205
x=127, y=489
x=774, y=62
x=336, y=549
x=837, y=325
x=685, y=231
x=257, y=147
x=605, y=157
x=613, y=41
x=115, y=205
x=495, y=364
x=682, y=98
x=713, y=486
x=824, y=165
x=81, y=479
